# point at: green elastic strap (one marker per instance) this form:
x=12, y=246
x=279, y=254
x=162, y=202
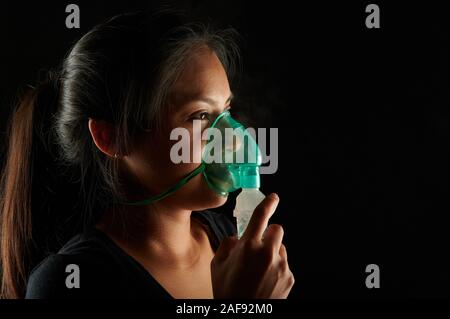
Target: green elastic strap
x=169, y=191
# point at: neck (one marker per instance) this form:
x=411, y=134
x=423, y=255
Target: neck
x=165, y=233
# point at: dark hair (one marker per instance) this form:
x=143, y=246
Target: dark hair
x=120, y=72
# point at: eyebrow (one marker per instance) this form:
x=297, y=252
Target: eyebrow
x=208, y=100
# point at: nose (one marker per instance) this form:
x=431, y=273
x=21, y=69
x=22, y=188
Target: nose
x=234, y=142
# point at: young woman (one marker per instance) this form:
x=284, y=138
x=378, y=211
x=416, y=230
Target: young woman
x=103, y=121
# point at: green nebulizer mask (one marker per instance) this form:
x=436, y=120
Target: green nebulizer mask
x=230, y=160
x=231, y=156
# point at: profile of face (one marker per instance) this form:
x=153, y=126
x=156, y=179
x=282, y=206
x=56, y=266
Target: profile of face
x=200, y=93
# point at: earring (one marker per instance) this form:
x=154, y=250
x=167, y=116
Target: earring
x=116, y=155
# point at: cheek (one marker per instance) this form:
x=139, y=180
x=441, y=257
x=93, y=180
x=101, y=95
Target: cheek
x=196, y=194
x=188, y=149
x=152, y=166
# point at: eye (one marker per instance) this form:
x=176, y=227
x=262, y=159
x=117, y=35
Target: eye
x=200, y=116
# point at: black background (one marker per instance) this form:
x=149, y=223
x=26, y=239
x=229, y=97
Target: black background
x=363, y=127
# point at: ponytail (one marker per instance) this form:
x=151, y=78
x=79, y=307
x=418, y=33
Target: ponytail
x=28, y=133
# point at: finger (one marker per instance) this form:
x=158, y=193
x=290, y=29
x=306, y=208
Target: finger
x=274, y=237
x=283, y=252
x=225, y=247
x=291, y=280
x=260, y=217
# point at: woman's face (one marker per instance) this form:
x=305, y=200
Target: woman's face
x=200, y=93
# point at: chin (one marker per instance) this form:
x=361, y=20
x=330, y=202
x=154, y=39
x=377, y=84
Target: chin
x=217, y=200
x=210, y=199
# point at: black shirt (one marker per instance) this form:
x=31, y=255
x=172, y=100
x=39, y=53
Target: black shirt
x=105, y=270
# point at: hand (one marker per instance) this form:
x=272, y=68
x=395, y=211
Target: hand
x=253, y=266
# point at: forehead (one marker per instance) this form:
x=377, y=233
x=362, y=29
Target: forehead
x=203, y=75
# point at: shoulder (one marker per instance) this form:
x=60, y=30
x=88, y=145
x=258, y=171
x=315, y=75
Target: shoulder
x=44, y=280
x=83, y=268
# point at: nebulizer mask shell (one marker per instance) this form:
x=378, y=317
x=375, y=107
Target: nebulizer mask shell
x=231, y=156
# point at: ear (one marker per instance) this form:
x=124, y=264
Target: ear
x=102, y=134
